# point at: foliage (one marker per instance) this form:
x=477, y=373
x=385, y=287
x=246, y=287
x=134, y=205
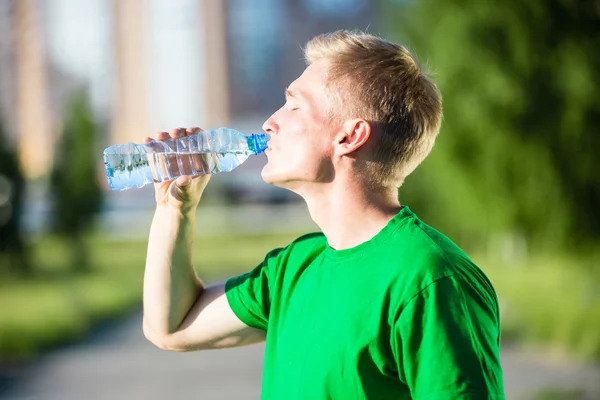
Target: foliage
x=12, y=185
x=549, y=299
x=66, y=305
x=516, y=155
x=57, y=306
x=74, y=179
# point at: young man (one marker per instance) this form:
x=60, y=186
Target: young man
x=377, y=306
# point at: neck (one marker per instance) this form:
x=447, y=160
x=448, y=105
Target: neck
x=350, y=213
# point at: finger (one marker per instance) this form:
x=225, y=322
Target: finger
x=159, y=169
x=193, y=130
x=183, y=181
x=176, y=133
x=162, y=136
x=202, y=163
x=179, y=188
x=147, y=139
x=197, y=159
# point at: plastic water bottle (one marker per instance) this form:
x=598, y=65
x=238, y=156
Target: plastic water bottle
x=209, y=152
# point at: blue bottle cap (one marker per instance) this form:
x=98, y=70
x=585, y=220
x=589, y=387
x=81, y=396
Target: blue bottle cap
x=257, y=142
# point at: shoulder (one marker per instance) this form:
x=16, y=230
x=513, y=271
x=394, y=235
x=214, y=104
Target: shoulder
x=305, y=246
x=314, y=239
x=310, y=242
x=424, y=256
x=424, y=246
x=278, y=260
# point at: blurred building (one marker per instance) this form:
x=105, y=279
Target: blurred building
x=7, y=67
x=152, y=65
x=169, y=61
x=24, y=104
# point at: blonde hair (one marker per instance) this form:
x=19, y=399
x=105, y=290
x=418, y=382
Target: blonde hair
x=383, y=83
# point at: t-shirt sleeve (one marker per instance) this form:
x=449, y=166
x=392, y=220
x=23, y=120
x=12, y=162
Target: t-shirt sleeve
x=441, y=344
x=249, y=294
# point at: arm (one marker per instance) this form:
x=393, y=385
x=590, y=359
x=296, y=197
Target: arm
x=446, y=343
x=179, y=312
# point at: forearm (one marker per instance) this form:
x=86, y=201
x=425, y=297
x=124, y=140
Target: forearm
x=171, y=285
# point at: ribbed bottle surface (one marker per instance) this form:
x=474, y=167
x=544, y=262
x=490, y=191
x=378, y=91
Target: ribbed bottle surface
x=209, y=152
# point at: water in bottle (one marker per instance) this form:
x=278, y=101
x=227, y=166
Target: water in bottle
x=209, y=152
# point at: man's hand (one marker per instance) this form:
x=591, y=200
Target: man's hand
x=184, y=192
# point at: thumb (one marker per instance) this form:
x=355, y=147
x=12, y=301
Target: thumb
x=180, y=187
x=183, y=181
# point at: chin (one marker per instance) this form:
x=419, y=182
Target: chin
x=269, y=176
x=275, y=178
x=275, y=181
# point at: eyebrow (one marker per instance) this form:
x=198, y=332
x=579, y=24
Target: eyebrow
x=289, y=93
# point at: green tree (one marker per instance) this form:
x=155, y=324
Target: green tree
x=74, y=181
x=12, y=184
x=516, y=154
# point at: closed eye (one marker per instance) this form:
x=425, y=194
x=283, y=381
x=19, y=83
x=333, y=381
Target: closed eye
x=289, y=95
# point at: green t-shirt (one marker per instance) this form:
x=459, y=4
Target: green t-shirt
x=405, y=315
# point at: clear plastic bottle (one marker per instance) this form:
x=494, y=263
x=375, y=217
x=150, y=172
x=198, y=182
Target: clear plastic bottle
x=209, y=152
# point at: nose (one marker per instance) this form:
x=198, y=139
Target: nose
x=271, y=126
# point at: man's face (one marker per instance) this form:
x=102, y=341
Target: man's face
x=302, y=134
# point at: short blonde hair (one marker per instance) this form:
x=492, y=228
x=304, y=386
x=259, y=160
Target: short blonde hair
x=383, y=83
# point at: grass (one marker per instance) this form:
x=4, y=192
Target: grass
x=552, y=301
x=559, y=394
x=57, y=306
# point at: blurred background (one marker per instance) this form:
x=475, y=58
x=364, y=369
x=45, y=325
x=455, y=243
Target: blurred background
x=513, y=179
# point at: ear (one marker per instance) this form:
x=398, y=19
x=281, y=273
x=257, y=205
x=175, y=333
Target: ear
x=354, y=134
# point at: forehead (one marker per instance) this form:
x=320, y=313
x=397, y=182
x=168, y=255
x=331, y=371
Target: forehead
x=313, y=80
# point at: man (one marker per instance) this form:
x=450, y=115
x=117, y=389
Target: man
x=377, y=306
